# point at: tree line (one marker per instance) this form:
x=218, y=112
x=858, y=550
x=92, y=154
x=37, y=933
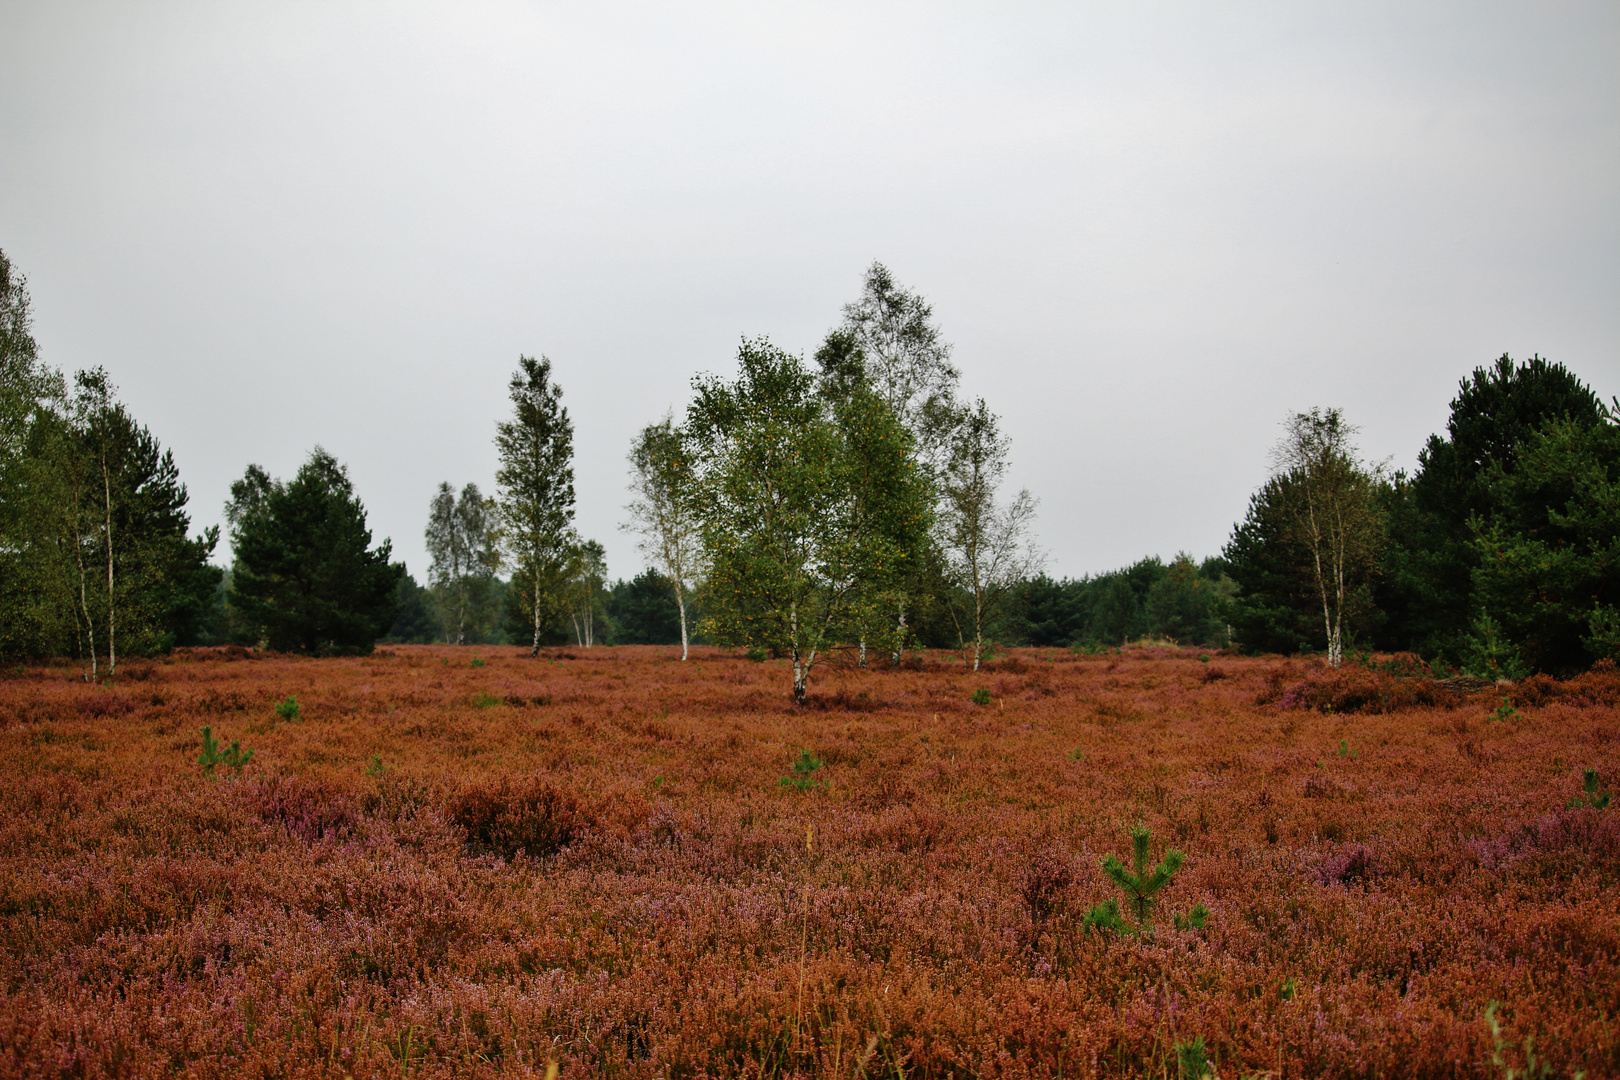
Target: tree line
x=848, y=505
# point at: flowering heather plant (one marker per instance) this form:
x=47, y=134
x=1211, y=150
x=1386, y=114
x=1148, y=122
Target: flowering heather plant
x=514, y=889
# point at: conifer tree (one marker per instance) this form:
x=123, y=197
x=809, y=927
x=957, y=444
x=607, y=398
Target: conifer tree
x=306, y=576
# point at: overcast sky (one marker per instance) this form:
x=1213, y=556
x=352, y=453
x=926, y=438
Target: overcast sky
x=1151, y=231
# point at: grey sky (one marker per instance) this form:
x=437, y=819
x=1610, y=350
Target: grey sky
x=1150, y=230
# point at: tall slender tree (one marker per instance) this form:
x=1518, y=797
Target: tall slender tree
x=460, y=543
x=989, y=544
x=587, y=571
x=889, y=344
x=663, y=513
x=536, y=481
x=1331, y=515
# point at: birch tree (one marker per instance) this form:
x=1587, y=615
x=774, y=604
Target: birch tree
x=889, y=343
x=460, y=544
x=587, y=570
x=988, y=544
x=662, y=512
x=536, y=481
x=1330, y=512
x=774, y=495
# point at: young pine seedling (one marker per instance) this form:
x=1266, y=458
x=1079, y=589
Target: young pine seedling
x=1193, y=1060
x=1346, y=752
x=981, y=696
x=233, y=758
x=287, y=710
x=1142, y=890
x=376, y=768
x=477, y=661
x=804, y=770
x=1590, y=796
x=1505, y=711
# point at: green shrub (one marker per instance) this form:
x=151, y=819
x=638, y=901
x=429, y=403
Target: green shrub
x=1590, y=796
x=1193, y=1060
x=981, y=696
x=804, y=770
x=476, y=661
x=233, y=758
x=287, y=710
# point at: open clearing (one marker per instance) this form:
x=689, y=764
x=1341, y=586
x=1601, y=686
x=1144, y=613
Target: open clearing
x=440, y=869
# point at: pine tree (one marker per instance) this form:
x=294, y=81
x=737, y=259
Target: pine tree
x=306, y=577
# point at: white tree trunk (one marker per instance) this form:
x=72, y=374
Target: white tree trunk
x=680, y=602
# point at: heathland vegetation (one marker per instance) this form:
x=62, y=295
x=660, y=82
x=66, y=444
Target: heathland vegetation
x=841, y=782
x=454, y=862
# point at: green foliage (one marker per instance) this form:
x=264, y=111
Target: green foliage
x=1489, y=655
x=981, y=696
x=536, y=502
x=1505, y=711
x=287, y=710
x=1142, y=887
x=306, y=576
x=94, y=552
x=415, y=623
x=806, y=510
x=804, y=773
x=1105, y=916
x=1590, y=795
x=234, y=757
x=1193, y=1059
x=1428, y=589
x=476, y=661
x=1183, y=601
x=1196, y=919
x=483, y=700
x=1346, y=752
x=1548, y=557
x=376, y=768
x=1307, y=554
x=460, y=539
x=643, y=611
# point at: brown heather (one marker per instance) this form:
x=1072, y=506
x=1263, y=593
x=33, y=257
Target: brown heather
x=588, y=858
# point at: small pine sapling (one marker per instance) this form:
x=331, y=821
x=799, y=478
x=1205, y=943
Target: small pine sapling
x=233, y=758
x=804, y=770
x=1193, y=1059
x=1504, y=711
x=1142, y=888
x=1346, y=752
x=287, y=710
x=376, y=768
x=1590, y=796
x=1196, y=919
x=476, y=661
x=981, y=696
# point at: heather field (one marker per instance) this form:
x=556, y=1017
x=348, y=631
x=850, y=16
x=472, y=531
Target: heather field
x=458, y=862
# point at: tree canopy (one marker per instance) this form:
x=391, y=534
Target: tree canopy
x=306, y=576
